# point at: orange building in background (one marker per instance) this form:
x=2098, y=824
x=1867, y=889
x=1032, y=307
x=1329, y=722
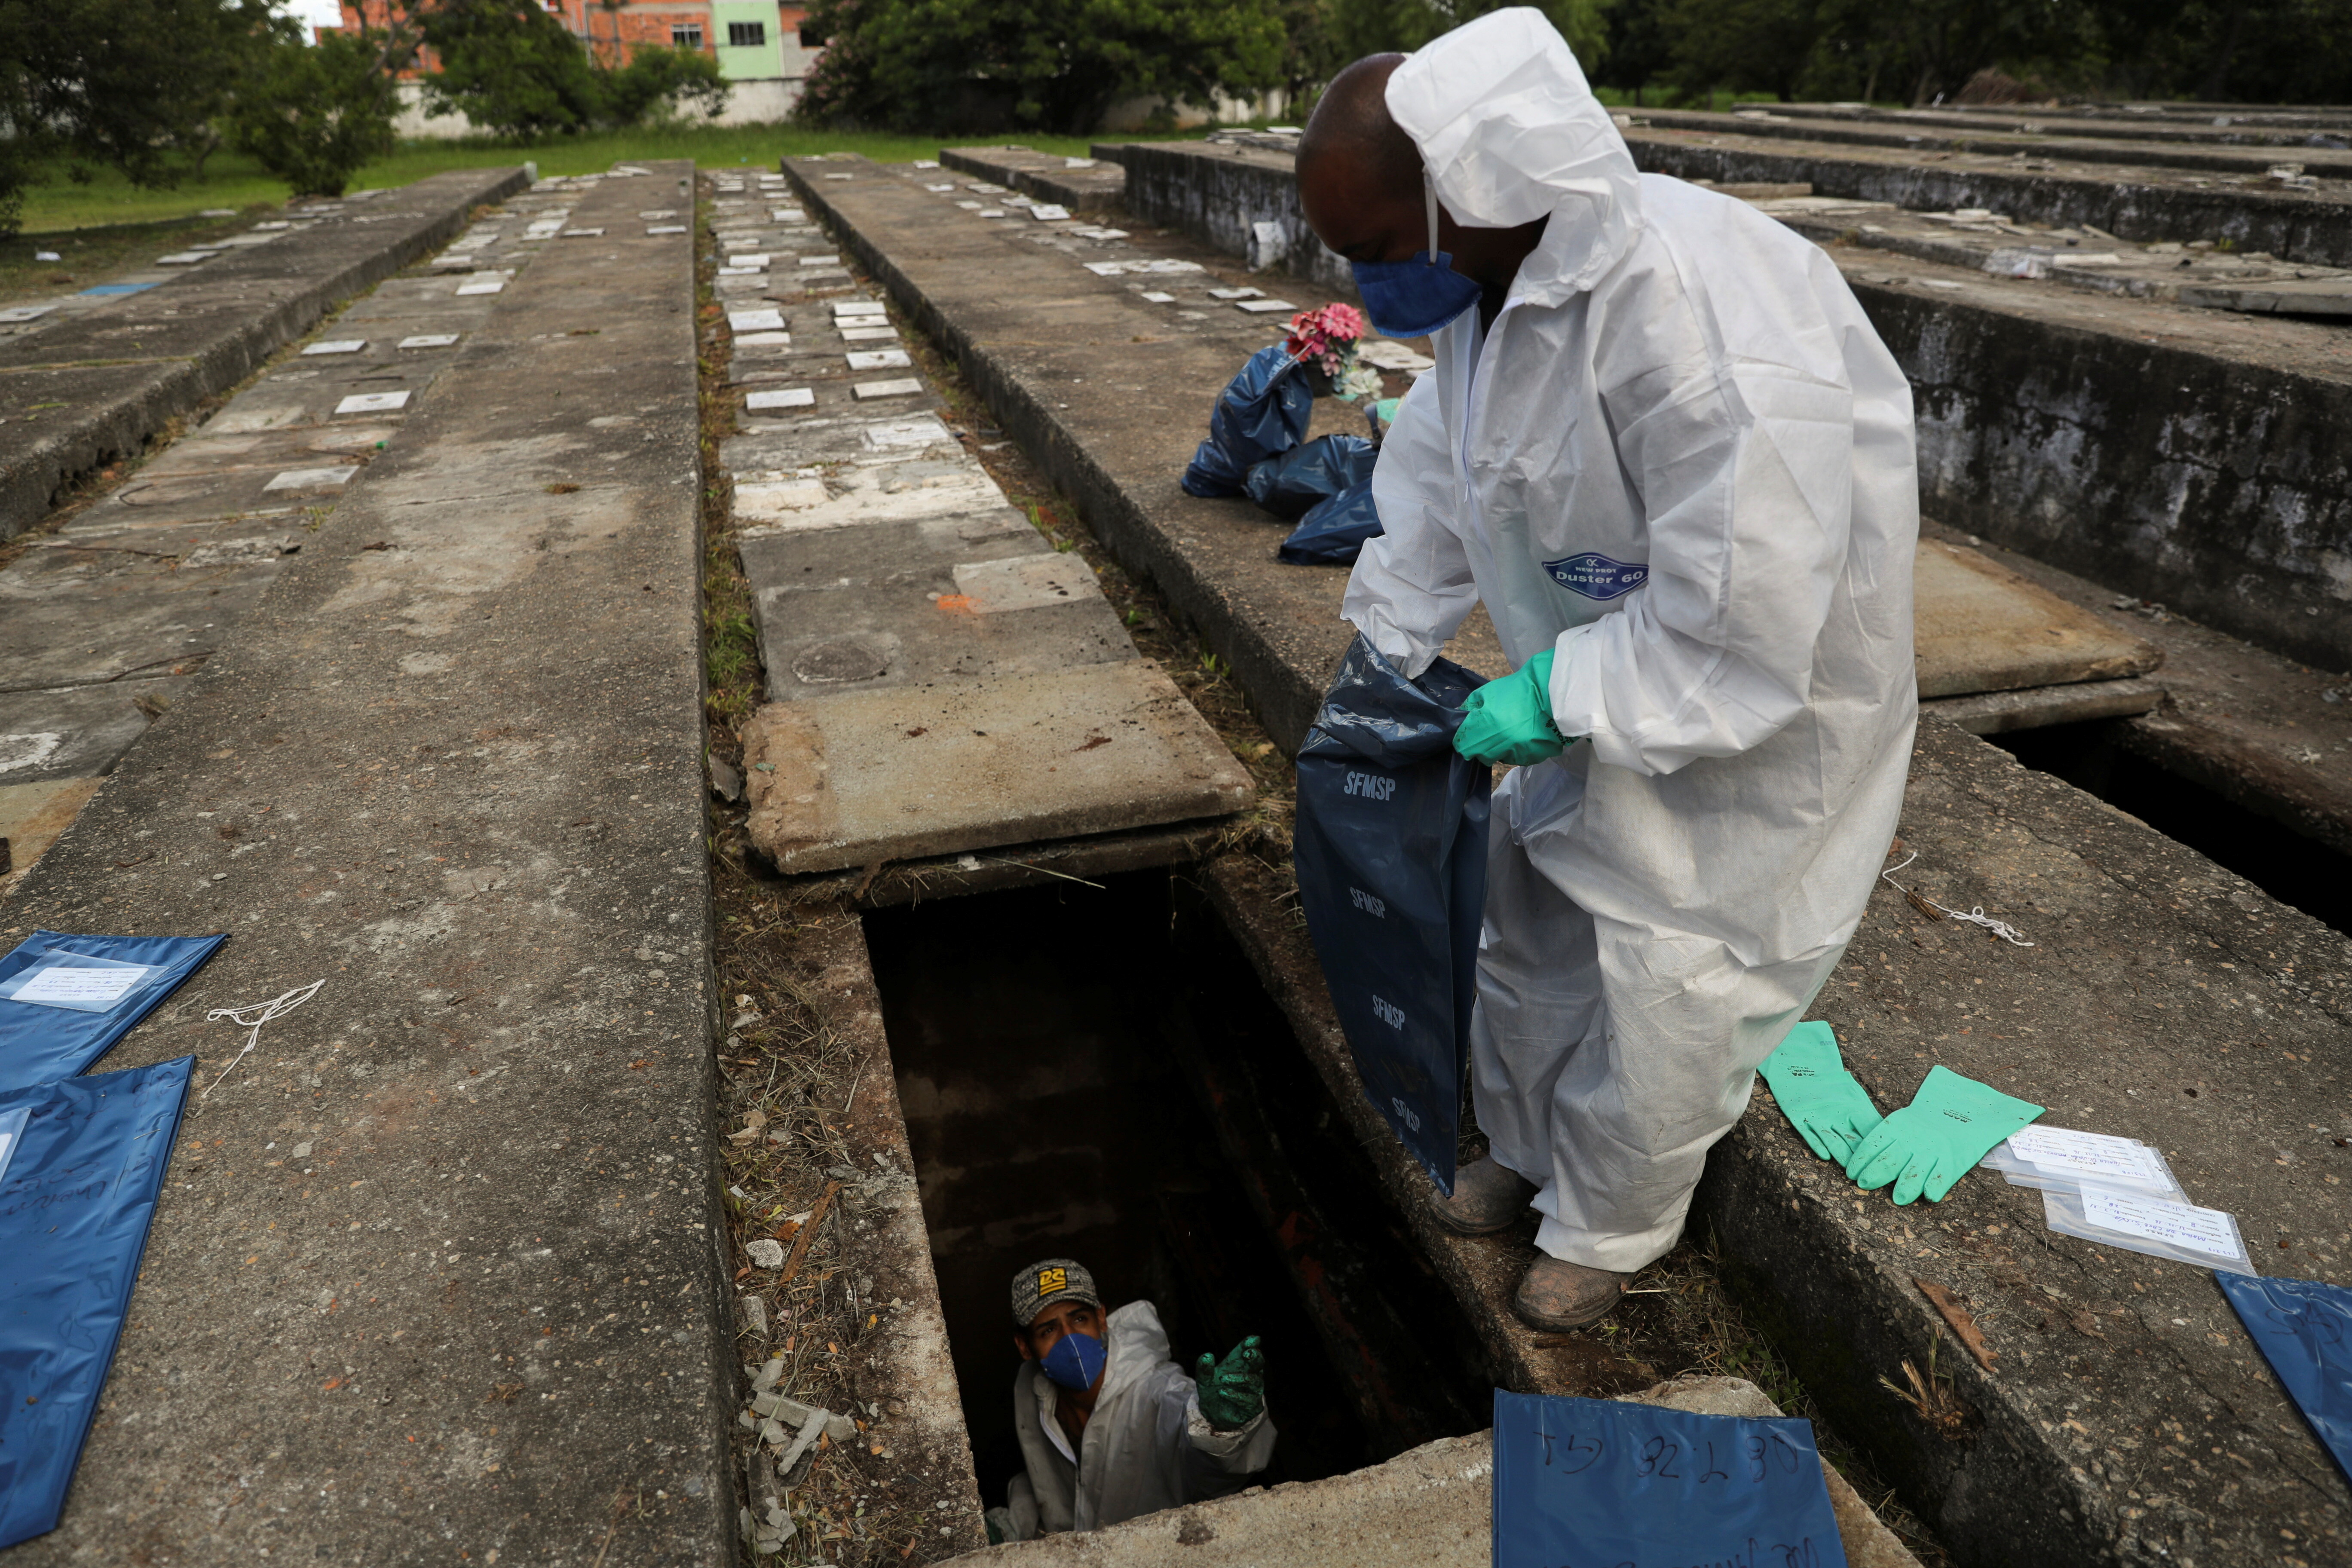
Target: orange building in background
x=756, y=42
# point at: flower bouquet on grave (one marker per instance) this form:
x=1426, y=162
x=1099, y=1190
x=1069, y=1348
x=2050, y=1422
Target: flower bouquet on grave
x=1323, y=341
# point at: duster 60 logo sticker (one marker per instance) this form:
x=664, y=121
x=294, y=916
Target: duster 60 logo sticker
x=1596, y=576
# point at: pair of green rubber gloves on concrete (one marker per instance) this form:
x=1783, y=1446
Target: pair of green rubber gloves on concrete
x=1950, y=1124
x=1509, y=720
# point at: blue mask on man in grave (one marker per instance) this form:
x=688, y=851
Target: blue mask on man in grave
x=1413, y=299
x=1076, y=1361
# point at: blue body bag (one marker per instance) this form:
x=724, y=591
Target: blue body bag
x=1391, y=852
x=2304, y=1328
x=1334, y=533
x=1594, y=1481
x=75, y=1202
x=40, y=1044
x=1262, y=413
x=1293, y=484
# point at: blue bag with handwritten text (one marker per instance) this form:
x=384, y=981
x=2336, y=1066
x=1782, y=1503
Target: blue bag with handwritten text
x=1581, y=1481
x=76, y=1195
x=2305, y=1330
x=66, y=1000
x=1390, y=851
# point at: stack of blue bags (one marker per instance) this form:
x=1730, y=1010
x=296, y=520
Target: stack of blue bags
x=1257, y=448
x=81, y=1164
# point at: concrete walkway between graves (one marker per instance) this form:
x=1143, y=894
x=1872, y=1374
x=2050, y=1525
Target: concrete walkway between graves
x=82, y=387
x=437, y=1275
x=2124, y=1416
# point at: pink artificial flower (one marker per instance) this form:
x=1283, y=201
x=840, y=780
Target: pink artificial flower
x=1324, y=335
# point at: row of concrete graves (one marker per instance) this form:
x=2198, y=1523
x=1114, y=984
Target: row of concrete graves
x=942, y=681
x=2119, y=1413
x=87, y=379
x=110, y=613
x=436, y=1271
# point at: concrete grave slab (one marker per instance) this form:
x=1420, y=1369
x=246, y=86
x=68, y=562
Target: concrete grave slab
x=884, y=607
x=33, y=816
x=1982, y=627
x=839, y=440
x=879, y=492
x=85, y=617
x=936, y=769
x=904, y=387
x=87, y=727
x=787, y=397
x=372, y=402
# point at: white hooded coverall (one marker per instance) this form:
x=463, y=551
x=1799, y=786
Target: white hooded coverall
x=1146, y=1448
x=1682, y=458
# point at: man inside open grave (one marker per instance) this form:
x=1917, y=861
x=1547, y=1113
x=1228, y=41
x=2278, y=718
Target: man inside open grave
x=1665, y=447
x=1110, y=1428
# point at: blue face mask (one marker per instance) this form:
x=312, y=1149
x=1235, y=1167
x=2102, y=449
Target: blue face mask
x=1076, y=1361
x=1413, y=299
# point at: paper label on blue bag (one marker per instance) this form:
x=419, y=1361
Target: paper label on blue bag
x=1596, y=576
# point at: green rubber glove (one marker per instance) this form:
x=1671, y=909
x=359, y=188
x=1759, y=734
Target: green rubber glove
x=1830, y=1111
x=1950, y=1124
x=1509, y=720
x=1231, y=1391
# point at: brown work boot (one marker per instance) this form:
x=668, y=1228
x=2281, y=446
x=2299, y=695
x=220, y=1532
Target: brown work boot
x=1555, y=1294
x=1487, y=1197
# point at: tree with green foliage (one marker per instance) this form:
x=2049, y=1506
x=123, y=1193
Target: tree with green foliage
x=510, y=67
x=660, y=83
x=1363, y=27
x=513, y=70
x=1054, y=65
x=314, y=115
x=139, y=86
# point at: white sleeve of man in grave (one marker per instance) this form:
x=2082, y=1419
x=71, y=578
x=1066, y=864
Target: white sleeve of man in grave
x=1146, y=1448
x=1680, y=458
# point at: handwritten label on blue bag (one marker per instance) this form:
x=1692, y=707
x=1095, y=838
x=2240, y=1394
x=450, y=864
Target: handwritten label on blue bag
x=1591, y=1483
x=1596, y=576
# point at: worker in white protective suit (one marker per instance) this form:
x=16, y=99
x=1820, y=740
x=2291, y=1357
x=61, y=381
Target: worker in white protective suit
x=1663, y=446
x=1110, y=1427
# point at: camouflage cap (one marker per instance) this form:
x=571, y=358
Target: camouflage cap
x=1041, y=1284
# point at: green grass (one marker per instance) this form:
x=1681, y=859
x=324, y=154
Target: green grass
x=56, y=205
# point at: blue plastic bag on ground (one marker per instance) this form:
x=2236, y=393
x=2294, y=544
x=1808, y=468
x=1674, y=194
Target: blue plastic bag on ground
x=1334, y=533
x=1262, y=413
x=1292, y=484
x=2305, y=1330
x=75, y=1205
x=1597, y=1481
x=41, y=1041
x=1390, y=851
